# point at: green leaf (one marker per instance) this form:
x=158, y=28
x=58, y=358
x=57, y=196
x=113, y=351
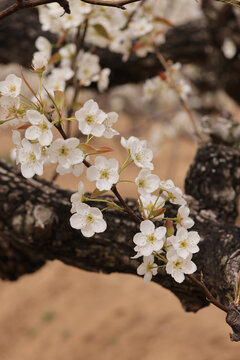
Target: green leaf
x=100, y=29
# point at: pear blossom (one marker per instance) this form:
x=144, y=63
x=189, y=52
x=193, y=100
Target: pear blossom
x=126, y=143
x=148, y=268
x=44, y=46
x=111, y=119
x=149, y=239
x=39, y=61
x=146, y=203
x=88, y=67
x=183, y=219
x=66, y=152
x=9, y=109
x=88, y=219
x=76, y=198
x=90, y=119
x=141, y=155
x=76, y=170
x=139, y=28
x=40, y=129
x=11, y=86
x=177, y=266
x=103, y=80
x=183, y=89
x=147, y=182
x=184, y=242
x=172, y=192
x=29, y=156
x=104, y=172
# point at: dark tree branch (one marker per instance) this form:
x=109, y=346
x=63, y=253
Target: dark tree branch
x=24, y=4
x=34, y=226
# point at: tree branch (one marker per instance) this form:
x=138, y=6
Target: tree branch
x=112, y=3
x=34, y=225
x=23, y=4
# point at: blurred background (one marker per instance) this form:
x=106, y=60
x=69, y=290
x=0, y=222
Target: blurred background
x=63, y=313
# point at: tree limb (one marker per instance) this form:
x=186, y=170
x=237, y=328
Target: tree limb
x=23, y=4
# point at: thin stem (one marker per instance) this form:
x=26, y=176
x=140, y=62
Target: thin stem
x=183, y=102
x=79, y=42
x=209, y=296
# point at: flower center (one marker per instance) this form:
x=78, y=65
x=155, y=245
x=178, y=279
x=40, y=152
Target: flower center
x=178, y=264
x=183, y=244
x=89, y=119
x=32, y=157
x=89, y=218
x=141, y=183
x=138, y=156
x=43, y=126
x=12, y=88
x=104, y=174
x=63, y=151
x=151, y=238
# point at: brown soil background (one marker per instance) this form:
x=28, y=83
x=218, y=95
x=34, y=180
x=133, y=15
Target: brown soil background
x=63, y=313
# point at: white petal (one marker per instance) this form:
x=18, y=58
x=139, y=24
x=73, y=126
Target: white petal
x=147, y=227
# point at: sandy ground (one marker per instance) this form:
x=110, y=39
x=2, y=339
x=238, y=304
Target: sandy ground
x=62, y=313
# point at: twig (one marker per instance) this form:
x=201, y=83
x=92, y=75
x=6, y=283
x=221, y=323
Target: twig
x=22, y=4
x=80, y=38
x=183, y=102
x=209, y=296
x=116, y=3
x=131, y=16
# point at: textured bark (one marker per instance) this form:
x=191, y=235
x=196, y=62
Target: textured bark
x=35, y=221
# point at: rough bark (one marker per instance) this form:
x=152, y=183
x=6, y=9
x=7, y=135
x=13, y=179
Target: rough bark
x=35, y=226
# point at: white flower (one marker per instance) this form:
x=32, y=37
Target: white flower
x=66, y=152
x=147, y=182
x=139, y=28
x=40, y=60
x=183, y=89
x=30, y=158
x=89, y=220
x=183, y=218
x=126, y=143
x=148, y=268
x=11, y=86
x=67, y=52
x=76, y=198
x=90, y=119
x=149, y=239
x=103, y=80
x=105, y=173
x=111, y=119
x=153, y=86
x=88, y=68
x=40, y=129
x=184, y=242
x=44, y=46
x=173, y=192
x=147, y=203
x=141, y=155
x=9, y=107
x=76, y=170
x=178, y=266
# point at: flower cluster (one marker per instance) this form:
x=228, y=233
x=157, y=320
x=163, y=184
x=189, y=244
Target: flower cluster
x=166, y=244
